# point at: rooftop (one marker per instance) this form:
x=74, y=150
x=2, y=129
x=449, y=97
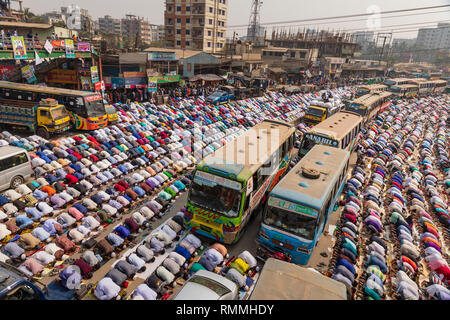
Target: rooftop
x=329, y=161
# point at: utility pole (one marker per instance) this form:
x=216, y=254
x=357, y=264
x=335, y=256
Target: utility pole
x=385, y=37
x=232, y=47
x=254, y=21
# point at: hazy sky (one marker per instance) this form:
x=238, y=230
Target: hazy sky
x=277, y=11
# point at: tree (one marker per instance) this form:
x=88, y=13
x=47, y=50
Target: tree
x=59, y=24
x=28, y=14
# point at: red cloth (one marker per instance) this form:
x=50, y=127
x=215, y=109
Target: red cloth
x=123, y=184
x=410, y=262
x=93, y=158
x=71, y=179
x=84, y=267
x=445, y=271
x=119, y=188
x=77, y=155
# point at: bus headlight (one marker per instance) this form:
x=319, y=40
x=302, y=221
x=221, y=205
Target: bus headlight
x=302, y=250
x=263, y=235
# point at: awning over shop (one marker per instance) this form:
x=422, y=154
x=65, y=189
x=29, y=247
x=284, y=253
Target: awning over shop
x=277, y=70
x=206, y=77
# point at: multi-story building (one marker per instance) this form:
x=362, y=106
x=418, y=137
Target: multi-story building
x=399, y=42
x=133, y=26
x=196, y=24
x=109, y=25
x=157, y=32
x=434, y=38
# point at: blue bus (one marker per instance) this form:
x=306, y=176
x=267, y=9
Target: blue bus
x=298, y=208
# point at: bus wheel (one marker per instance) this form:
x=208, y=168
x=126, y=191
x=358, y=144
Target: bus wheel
x=43, y=133
x=16, y=181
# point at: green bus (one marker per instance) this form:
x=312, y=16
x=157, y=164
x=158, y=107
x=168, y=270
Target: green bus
x=233, y=182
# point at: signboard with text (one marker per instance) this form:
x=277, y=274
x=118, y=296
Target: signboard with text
x=70, y=49
x=162, y=56
x=94, y=74
x=28, y=74
x=20, y=51
x=62, y=76
x=290, y=206
x=84, y=46
x=165, y=79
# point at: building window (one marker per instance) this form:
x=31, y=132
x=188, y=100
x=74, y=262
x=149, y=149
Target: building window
x=178, y=43
x=178, y=8
x=210, y=9
x=188, y=32
x=210, y=21
x=293, y=54
x=209, y=44
x=188, y=20
x=188, y=8
x=178, y=20
x=189, y=65
x=178, y=31
x=209, y=33
x=169, y=8
x=187, y=44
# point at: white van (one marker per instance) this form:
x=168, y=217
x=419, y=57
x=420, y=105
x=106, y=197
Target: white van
x=15, y=167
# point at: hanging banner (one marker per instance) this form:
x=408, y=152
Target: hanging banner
x=94, y=74
x=308, y=73
x=20, y=51
x=98, y=86
x=86, y=84
x=152, y=85
x=84, y=46
x=58, y=43
x=48, y=46
x=28, y=74
x=70, y=49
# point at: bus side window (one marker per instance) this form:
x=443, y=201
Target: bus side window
x=7, y=93
x=247, y=202
x=259, y=179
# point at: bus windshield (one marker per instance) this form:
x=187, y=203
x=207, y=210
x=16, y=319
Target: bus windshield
x=362, y=92
x=310, y=140
x=297, y=224
x=216, y=194
x=396, y=89
x=59, y=113
x=95, y=108
x=357, y=108
x=316, y=112
x=389, y=82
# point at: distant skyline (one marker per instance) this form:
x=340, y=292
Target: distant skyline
x=275, y=11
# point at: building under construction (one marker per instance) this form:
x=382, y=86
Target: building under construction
x=330, y=44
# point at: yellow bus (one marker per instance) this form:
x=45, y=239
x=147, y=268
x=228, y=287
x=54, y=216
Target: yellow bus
x=369, y=105
x=370, y=88
x=396, y=82
x=439, y=86
x=86, y=109
x=405, y=90
x=340, y=131
x=425, y=86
